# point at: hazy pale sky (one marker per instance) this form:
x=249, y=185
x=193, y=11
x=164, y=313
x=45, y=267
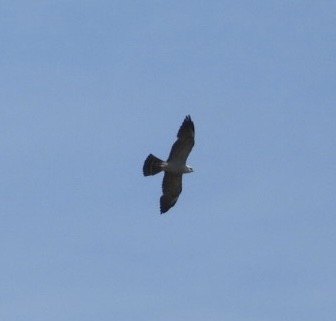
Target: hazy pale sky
x=90, y=88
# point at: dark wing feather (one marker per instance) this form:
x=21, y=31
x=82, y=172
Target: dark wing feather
x=171, y=188
x=184, y=143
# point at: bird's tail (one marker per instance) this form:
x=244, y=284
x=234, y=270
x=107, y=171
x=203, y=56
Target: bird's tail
x=152, y=165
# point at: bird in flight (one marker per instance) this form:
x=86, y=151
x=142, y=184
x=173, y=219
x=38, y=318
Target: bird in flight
x=174, y=167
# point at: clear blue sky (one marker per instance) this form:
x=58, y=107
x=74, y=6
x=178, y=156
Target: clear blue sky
x=90, y=88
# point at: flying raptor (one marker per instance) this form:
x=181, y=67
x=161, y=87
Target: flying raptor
x=174, y=167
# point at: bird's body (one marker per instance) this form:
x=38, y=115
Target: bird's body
x=174, y=167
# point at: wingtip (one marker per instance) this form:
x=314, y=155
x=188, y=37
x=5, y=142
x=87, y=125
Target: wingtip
x=163, y=210
x=188, y=122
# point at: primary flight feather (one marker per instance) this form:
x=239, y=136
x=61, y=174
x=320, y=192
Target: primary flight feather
x=174, y=167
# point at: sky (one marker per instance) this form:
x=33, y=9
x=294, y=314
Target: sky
x=90, y=88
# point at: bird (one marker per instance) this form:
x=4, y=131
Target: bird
x=174, y=167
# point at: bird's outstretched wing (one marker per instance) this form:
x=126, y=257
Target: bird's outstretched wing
x=184, y=143
x=171, y=189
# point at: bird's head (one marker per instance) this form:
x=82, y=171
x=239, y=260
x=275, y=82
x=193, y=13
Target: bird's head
x=188, y=169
